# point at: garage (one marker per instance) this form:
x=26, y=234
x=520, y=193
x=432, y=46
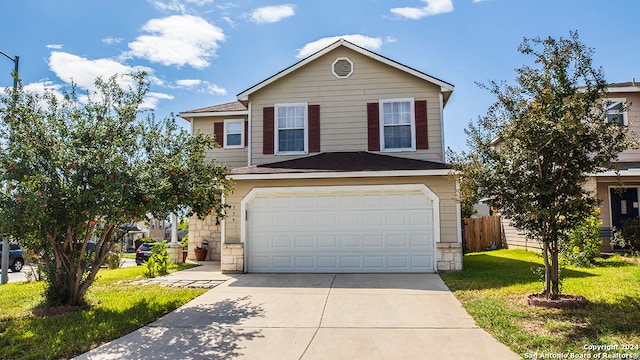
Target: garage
x=341, y=229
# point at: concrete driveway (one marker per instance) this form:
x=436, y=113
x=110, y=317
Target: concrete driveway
x=314, y=316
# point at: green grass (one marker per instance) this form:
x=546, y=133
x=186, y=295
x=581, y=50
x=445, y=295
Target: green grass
x=117, y=309
x=128, y=255
x=493, y=285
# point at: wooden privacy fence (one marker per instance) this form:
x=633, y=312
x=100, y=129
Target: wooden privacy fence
x=481, y=232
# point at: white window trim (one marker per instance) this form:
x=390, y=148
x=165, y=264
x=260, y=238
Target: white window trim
x=224, y=133
x=611, y=101
x=276, y=142
x=381, y=102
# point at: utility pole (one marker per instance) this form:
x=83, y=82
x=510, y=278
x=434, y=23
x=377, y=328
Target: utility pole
x=4, y=278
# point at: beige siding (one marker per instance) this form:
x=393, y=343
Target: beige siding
x=633, y=120
x=343, y=103
x=442, y=186
x=230, y=157
x=514, y=239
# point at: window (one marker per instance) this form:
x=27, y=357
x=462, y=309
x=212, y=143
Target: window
x=397, y=124
x=291, y=132
x=615, y=111
x=233, y=133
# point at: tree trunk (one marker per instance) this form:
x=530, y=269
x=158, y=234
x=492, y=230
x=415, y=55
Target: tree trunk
x=547, y=269
x=555, y=278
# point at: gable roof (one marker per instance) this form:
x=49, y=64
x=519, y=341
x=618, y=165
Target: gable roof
x=445, y=87
x=230, y=108
x=357, y=161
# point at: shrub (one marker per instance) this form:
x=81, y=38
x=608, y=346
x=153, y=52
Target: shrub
x=629, y=236
x=583, y=242
x=158, y=262
x=114, y=258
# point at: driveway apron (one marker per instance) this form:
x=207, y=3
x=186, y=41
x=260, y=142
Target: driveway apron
x=314, y=316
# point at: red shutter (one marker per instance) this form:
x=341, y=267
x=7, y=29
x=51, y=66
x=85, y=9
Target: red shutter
x=314, y=128
x=422, y=135
x=246, y=133
x=267, y=130
x=373, y=126
x=218, y=131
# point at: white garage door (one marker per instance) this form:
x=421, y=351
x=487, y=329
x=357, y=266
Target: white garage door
x=348, y=230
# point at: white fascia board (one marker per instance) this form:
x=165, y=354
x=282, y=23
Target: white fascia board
x=190, y=116
x=623, y=89
x=349, y=174
x=630, y=172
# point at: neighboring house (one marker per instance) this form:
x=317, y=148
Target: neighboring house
x=337, y=164
x=618, y=196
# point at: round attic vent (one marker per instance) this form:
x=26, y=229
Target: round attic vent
x=342, y=68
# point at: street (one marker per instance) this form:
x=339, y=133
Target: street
x=22, y=275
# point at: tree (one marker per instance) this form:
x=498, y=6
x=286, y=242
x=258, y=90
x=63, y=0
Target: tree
x=77, y=168
x=538, y=142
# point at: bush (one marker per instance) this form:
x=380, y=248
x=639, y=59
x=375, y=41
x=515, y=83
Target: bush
x=629, y=236
x=583, y=242
x=114, y=258
x=158, y=262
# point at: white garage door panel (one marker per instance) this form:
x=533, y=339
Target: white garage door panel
x=344, y=232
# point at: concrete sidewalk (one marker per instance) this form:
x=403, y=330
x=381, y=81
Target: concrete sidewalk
x=314, y=316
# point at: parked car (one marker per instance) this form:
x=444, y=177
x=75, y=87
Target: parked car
x=16, y=257
x=144, y=252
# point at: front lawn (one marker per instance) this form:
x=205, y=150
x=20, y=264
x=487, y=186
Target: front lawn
x=493, y=285
x=117, y=309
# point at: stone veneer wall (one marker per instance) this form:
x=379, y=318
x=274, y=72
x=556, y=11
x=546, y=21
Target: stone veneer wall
x=449, y=256
x=232, y=259
x=200, y=230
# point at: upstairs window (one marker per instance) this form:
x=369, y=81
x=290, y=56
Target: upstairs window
x=615, y=111
x=291, y=124
x=233, y=133
x=397, y=124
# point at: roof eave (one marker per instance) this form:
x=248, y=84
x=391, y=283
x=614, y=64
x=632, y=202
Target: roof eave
x=342, y=174
x=190, y=115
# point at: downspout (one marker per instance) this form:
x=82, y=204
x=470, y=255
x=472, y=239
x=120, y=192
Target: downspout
x=444, y=149
x=249, y=134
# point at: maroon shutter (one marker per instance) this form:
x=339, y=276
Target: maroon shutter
x=218, y=131
x=246, y=133
x=267, y=130
x=314, y=128
x=422, y=135
x=373, y=126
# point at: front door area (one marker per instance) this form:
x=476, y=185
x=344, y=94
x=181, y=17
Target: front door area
x=624, y=205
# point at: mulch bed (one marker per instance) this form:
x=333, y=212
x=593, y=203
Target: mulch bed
x=564, y=302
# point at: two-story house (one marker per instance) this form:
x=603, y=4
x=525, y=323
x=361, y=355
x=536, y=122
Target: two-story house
x=337, y=164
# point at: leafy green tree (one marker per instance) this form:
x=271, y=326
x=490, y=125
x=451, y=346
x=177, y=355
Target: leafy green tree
x=539, y=141
x=77, y=168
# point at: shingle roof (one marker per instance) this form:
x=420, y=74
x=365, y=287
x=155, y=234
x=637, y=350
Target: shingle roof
x=341, y=162
x=231, y=106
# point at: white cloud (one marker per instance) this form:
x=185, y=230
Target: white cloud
x=434, y=7
x=200, y=2
x=171, y=5
x=83, y=72
x=111, y=41
x=54, y=46
x=271, y=14
x=189, y=82
x=214, y=89
x=360, y=40
x=153, y=98
x=178, y=40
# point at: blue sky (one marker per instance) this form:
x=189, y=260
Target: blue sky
x=204, y=52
